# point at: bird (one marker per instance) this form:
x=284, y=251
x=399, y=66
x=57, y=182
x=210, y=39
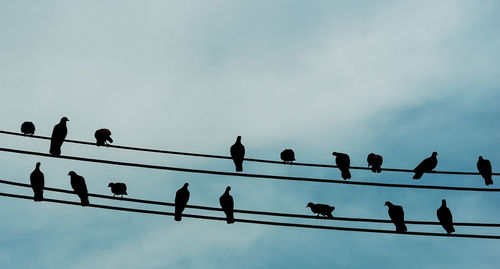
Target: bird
x=288, y=156
x=238, y=153
x=426, y=166
x=445, y=218
x=343, y=162
x=227, y=204
x=103, y=135
x=80, y=188
x=321, y=209
x=181, y=199
x=397, y=216
x=37, y=183
x=118, y=188
x=58, y=135
x=28, y=128
x=375, y=161
x=484, y=167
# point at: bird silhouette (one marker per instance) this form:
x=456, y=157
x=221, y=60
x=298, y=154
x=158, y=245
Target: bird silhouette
x=58, y=135
x=80, y=188
x=37, y=181
x=445, y=218
x=181, y=199
x=118, y=188
x=426, y=166
x=287, y=156
x=375, y=161
x=484, y=167
x=238, y=154
x=227, y=204
x=28, y=128
x=321, y=209
x=343, y=162
x=103, y=135
x=397, y=216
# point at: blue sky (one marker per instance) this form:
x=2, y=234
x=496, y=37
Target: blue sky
x=402, y=79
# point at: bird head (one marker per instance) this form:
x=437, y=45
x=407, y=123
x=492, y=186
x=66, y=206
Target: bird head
x=64, y=119
x=38, y=165
x=480, y=158
x=71, y=173
x=388, y=203
x=228, y=188
x=434, y=154
x=186, y=185
x=335, y=153
x=309, y=205
x=443, y=202
x=238, y=139
x=111, y=184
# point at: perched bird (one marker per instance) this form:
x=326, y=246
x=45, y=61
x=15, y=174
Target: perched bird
x=375, y=161
x=397, y=216
x=343, y=162
x=445, y=217
x=181, y=199
x=118, y=188
x=79, y=186
x=238, y=153
x=426, y=166
x=227, y=204
x=287, y=155
x=101, y=136
x=58, y=135
x=37, y=183
x=28, y=128
x=484, y=167
x=321, y=209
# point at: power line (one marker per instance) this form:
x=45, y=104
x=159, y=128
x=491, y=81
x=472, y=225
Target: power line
x=212, y=172
x=228, y=157
x=272, y=223
x=254, y=212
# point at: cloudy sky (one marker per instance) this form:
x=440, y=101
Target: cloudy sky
x=399, y=78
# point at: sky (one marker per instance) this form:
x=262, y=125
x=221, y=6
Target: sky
x=398, y=78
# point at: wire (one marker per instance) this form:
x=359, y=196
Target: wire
x=284, y=224
x=253, y=212
x=212, y=172
x=246, y=159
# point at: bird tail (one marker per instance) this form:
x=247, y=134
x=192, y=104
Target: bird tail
x=99, y=142
x=84, y=200
x=110, y=139
x=229, y=217
x=401, y=228
x=38, y=196
x=488, y=181
x=329, y=215
x=178, y=216
x=125, y=193
x=379, y=169
x=346, y=174
x=55, y=148
x=374, y=169
x=239, y=167
x=418, y=174
x=450, y=229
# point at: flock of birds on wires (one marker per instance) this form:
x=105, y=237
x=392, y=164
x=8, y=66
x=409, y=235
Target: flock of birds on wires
x=237, y=151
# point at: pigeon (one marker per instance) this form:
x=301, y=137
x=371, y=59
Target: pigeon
x=375, y=161
x=80, y=188
x=445, y=217
x=397, y=216
x=343, y=162
x=58, y=136
x=227, y=204
x=118, y=188
x=426, y=166
x=28, y=128
x=101, y=136
x=321, y=209
x=238, y=153
x=484, y=167
x=181, y=199
x=37, y=183
x=288, y=156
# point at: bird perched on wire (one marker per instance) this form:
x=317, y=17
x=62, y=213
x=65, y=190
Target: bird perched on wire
x=37, y=181
x=181, y=199
x=445, y=218
x=375, y=161
x=103, y=135
x=118, y=188
x=484, y=168
x=80, y=188
x=58, y=135
x=227, y=204
x=287, y=156
x=397, y=216
x=426, y=166
x=28, y=128
x=238, y=154
x=321, y=209
x=343, y=162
